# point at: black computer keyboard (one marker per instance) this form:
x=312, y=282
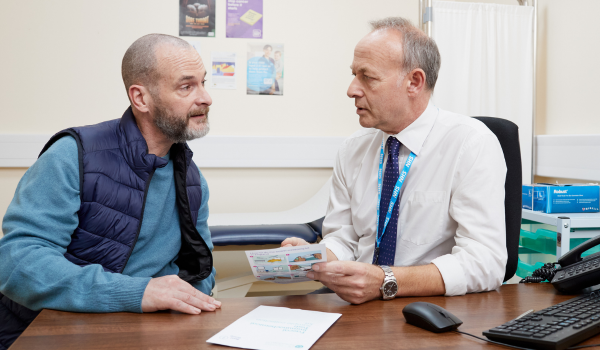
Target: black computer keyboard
x=556, y=327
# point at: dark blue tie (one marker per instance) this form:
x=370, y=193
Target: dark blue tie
x=387, y=248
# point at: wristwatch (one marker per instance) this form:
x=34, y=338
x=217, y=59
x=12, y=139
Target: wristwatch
x=389, y=288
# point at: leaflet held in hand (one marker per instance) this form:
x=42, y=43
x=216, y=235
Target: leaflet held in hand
x=270, y=327
x=286, y=265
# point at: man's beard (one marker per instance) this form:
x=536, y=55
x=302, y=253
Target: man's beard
x=177, y=128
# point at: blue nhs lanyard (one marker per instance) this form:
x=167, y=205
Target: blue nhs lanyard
x=395, y=194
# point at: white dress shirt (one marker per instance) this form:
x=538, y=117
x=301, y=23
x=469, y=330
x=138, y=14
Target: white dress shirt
x=451, y=203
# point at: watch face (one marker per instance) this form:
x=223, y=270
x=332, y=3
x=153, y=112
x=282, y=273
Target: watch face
x=390, y=289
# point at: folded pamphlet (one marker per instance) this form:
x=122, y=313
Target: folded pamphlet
x=286, y=265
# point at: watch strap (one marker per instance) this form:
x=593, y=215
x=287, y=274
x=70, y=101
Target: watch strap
x=389, y=276
x=388, y=272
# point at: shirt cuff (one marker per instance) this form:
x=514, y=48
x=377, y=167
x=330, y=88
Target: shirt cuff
x=341, y=252
x=127, y=295
x=452, y=273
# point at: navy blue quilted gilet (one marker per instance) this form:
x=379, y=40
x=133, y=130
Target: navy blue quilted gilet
x=115, y=170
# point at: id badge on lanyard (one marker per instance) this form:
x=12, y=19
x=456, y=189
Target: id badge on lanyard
x=395, y=195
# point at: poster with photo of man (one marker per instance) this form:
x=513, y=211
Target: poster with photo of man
x=265, y=69
x=197, y=18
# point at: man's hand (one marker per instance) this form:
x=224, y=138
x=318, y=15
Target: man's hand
x=293, y=241
x=171, y=292
x=353, y=281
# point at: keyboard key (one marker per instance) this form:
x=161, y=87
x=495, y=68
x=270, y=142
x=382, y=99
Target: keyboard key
x=564, y=324
x=523, y=333
x=497, y=330
x=546, y=332
x=584, y=315
x=577, y=326
x=539, y=335
x=553, y=312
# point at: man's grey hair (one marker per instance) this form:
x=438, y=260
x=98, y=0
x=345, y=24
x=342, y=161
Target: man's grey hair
x=139, y=64
x=419, y=50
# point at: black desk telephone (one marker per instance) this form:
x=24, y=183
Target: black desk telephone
x=577, y=273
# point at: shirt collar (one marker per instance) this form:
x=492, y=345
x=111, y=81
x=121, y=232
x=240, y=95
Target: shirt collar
x=415, y=134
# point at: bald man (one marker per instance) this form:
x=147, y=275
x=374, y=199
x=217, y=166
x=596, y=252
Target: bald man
x=113, y=217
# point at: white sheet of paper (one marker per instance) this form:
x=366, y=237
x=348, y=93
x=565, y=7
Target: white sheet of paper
x=286, y=265
x=270, y=327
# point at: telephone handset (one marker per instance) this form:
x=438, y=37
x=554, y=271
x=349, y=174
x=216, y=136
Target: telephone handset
x=577, y=273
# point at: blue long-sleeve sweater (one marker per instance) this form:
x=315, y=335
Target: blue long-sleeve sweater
x=37, y=230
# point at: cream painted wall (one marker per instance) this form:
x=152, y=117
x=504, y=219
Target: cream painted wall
x=567, y=81
x=62, y=69
x=568, y=89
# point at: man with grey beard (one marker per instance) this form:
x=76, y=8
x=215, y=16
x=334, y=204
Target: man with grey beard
x=112, y=217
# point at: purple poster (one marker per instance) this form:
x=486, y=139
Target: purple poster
x=244, y=19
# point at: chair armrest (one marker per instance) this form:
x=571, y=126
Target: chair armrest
x=260, y=234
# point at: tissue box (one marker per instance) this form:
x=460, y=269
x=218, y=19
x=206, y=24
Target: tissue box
x=572, y=198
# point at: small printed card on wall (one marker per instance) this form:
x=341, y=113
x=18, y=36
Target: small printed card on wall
x=223, y=74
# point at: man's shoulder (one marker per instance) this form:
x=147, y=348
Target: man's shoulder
x=461, y=124
x=360, y=137
x=60, y=162
x=99, y=136
x=65, y=148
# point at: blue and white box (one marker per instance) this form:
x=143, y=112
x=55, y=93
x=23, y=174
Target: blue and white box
x=568, y=198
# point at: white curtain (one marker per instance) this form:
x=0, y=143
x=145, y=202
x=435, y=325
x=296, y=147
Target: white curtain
x=487, y=64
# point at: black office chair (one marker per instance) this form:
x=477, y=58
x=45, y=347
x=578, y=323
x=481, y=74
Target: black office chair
x=507, y=133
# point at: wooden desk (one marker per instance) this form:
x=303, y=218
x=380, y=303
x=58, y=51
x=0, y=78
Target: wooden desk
x=374, y=325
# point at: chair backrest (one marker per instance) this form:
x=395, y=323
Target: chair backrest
x=507, y=133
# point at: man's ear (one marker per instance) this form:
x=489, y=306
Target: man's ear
x=416, y=82
x=140, y=98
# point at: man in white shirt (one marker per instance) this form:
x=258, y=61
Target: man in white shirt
x=445, y=233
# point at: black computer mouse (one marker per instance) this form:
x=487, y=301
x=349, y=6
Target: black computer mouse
x=430, y=317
